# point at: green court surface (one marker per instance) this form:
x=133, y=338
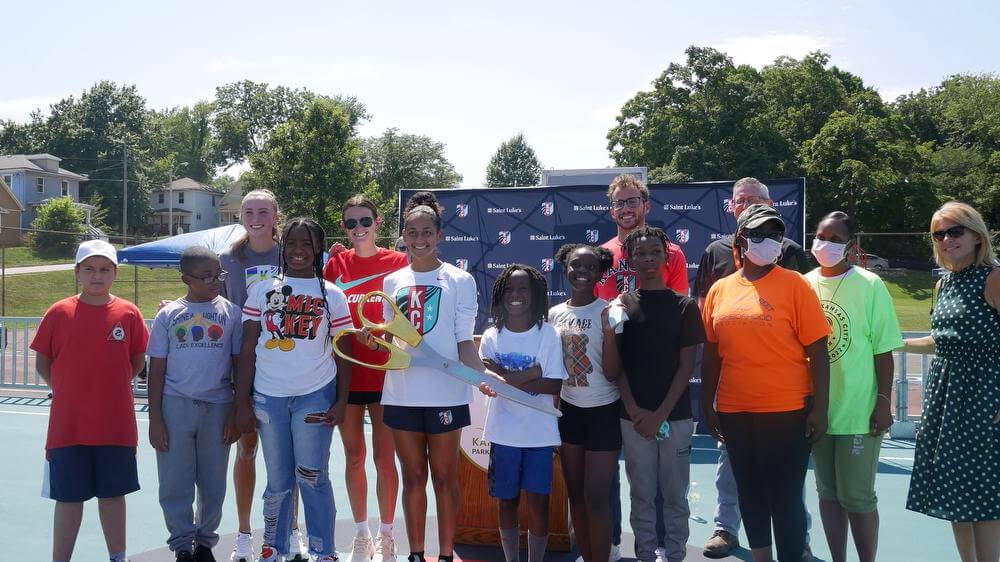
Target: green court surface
x=26, y=518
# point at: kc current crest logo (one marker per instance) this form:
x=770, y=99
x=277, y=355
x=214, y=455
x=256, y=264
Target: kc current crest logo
x=683, y=235
x=548, y=208
x=420, y=304
x=727, y=205
x=462, y=264
x=504, y=237
x=593, y=235
x=547, y=264
x=462, y=210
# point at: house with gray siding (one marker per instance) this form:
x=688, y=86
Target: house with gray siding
x=36, y=178
x=194, y=206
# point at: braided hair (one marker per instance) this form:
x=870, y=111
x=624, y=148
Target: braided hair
x=539, y=295
x=318, y=238
x=645, y=231
x=604, y=255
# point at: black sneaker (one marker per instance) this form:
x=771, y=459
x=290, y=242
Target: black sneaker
x=203, y=554
x=183, y=555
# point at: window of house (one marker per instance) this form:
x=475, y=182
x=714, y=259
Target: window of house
x=213, y=200
x=197, y=216
x=64, y=188
x=9, y=180
x=180, y=196
x=159, y=198
x=40, y=185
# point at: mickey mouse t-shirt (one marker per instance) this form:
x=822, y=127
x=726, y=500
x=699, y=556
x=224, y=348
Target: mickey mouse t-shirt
x=294, y=351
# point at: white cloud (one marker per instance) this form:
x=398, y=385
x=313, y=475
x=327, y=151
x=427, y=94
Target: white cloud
x=19, y=109
x=761, y=50
x=890, y=93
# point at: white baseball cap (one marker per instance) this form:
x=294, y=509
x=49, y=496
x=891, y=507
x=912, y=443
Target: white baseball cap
x=96, y=248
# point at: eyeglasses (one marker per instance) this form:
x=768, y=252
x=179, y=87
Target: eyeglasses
x=218, y=277
x=351, y=224
x=758, y=237
x=749, y=201
x=631, y=203
x=956, y=231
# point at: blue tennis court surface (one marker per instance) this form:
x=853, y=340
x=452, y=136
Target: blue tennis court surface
x=26, y=518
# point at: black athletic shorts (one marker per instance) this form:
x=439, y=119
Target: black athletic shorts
x=596, y=429
x=363, y=398
x=426, y=419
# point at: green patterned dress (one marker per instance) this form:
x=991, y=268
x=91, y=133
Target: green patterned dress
x=956, y=472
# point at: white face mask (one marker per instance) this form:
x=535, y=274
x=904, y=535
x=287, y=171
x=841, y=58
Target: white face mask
x=827, y=253
x=763, y=253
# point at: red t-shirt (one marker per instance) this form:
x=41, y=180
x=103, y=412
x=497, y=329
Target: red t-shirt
x=91, y=348
x=357, y=276
x=621, y=276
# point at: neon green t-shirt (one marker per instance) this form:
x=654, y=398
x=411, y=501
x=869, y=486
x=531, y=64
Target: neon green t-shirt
x=863, y=323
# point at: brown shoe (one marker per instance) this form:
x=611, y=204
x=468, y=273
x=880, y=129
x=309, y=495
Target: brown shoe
x=721, y=544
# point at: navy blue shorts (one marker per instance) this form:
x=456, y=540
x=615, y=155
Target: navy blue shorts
x=597, y=428
x=426, y=419
x=80, y=472
x=514, y=468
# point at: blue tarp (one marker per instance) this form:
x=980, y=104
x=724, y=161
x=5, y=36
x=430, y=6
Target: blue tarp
x=167, y=252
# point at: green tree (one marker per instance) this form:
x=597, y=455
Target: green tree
x=185, y=142
x=313, y=163
x=59, y=223
x=514, y=164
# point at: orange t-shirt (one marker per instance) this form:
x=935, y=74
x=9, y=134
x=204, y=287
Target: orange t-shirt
x=762, y=328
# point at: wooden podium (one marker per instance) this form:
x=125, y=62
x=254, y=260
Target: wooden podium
x=477, y=511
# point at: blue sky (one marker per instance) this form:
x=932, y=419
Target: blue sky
x=472, y=74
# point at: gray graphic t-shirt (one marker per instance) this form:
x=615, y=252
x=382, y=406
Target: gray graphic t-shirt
x=244, y=273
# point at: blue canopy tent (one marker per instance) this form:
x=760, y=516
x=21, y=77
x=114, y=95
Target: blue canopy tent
x=167, y=252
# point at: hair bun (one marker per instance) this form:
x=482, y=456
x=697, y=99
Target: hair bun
x=426, y=199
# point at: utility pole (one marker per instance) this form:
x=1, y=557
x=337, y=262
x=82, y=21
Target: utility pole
x=124, y=191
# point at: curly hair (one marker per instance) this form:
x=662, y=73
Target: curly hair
x=539, y=295
x=628, y=180
x=318, y=238
x=645, y=231
x=423, y=203
x=604, y=255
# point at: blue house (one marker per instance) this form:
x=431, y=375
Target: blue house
x=36, y=178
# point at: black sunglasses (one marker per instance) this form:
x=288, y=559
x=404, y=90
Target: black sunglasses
x=954, y=232
x=351, y=224
x=758, y=237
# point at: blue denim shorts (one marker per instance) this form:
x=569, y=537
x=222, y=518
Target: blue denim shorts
x=78, y=473
x=514, y=468
x=427, y=419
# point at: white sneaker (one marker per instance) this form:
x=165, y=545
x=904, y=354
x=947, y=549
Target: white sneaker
x=661, y=554
x=297, y=549
x=579, y=558
x=243, y=550
x=616, y=553
x=363, y=550
x=268, y=554
x=385, y=548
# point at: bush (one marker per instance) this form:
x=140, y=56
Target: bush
x=60, y=225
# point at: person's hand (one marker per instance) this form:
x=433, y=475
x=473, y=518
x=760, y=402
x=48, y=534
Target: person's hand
x=163, y=303
x=640, y=418
x=630, y=301
x=367, y=338
x=495, y=369
x=486, y=389
x=336, y=248
x=230, y=434
x=816, y=424
x=711, y=419
x=648, y=426
x=605, y=322
x=336, y=414
x=158, y=437
x=881, y=418
x=245, y=422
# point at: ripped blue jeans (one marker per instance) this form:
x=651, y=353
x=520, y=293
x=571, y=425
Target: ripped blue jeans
x=296, y=451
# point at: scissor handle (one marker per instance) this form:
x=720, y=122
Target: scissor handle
x=398, y=358
x=398, y=326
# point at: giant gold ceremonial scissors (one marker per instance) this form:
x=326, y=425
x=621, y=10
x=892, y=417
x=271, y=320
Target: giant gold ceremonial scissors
x=424, y=356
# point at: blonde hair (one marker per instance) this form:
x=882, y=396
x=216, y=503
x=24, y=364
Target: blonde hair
x=239, y=247
x=965, y=215
x=628, y=180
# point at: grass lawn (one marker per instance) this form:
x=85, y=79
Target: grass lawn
x=911, y=292
x=31, y=294
x=20, y=256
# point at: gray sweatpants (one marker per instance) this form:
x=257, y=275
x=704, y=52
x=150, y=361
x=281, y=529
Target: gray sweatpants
x=669, y=462
x=196, y=457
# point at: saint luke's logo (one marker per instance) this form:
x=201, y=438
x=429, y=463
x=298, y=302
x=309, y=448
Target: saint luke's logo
x=462, y=264
x=420, y=304
x=683, y=235
x=462, y=210
x=593, y=235
x=548, y=208
x=727, y=205
x=547, y=264
x=504, y=237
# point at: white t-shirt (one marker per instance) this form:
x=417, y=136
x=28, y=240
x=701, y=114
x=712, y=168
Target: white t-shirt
x=509, y=423
x=294, y=352
x=583, y=349
x=442, y=304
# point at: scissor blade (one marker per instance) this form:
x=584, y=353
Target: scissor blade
x=468, y=375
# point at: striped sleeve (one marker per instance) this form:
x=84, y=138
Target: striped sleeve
x=340, y=314
x=251, y=308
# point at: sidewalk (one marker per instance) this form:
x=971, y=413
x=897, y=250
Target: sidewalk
x=38, y=268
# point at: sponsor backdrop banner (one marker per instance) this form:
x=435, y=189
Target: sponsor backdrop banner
x=485, y=230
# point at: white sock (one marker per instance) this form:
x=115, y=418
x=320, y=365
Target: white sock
x=363, y=529
x=385, y=528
